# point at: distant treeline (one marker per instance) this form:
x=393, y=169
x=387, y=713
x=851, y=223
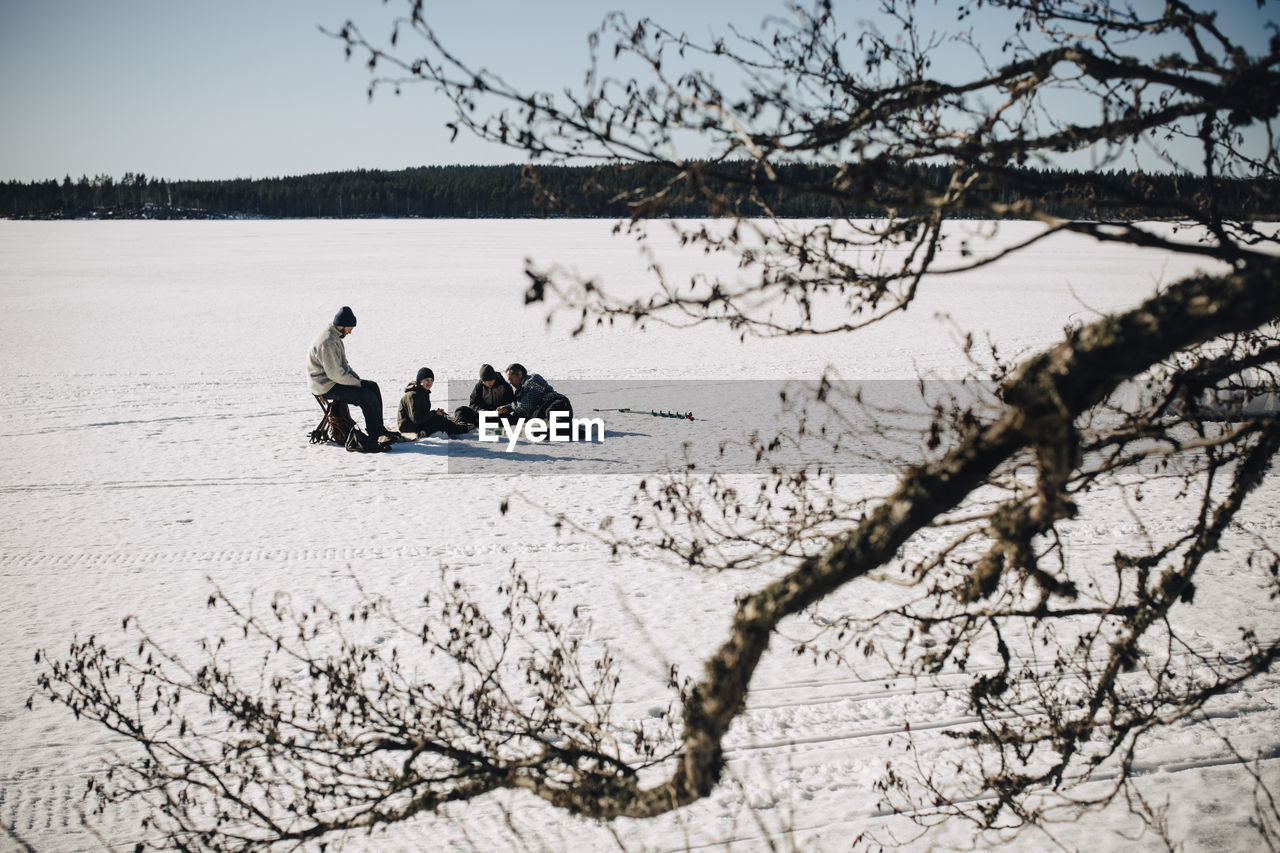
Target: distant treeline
x=510, y=192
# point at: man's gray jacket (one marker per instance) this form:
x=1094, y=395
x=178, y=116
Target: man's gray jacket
x=327, y=363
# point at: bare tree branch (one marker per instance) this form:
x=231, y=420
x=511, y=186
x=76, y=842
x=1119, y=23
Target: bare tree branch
x=1082, y=659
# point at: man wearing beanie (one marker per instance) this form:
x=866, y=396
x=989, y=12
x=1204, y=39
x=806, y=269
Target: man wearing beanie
x=490, y=392
x=331, y=377
x=415, y=414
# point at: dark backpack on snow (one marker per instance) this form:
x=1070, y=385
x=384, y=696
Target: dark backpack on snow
x=359, y=442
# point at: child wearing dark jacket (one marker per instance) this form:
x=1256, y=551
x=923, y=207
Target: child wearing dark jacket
x=491, y=392
x=415, y=414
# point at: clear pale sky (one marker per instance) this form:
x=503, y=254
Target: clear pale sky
x=251, y=88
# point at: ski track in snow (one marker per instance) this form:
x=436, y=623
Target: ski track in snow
x=156, y=448
x=37, y=801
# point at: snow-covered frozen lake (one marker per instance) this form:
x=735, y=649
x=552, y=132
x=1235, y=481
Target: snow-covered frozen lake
x=155, y=444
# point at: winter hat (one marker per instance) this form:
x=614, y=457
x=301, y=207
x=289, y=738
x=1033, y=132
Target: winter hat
x=345, y=317
x=425, y=373
x=487, y=372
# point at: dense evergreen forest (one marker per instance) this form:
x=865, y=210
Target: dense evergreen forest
x=517, y=192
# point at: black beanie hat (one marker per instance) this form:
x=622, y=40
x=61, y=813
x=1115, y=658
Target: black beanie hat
x=487, y=372
x=345, y=317
x=424, y=373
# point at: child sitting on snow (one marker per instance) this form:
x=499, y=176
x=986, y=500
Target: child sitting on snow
x=415, y=414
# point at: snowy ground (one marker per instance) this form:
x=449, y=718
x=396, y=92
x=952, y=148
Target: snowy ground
x=155, y=445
